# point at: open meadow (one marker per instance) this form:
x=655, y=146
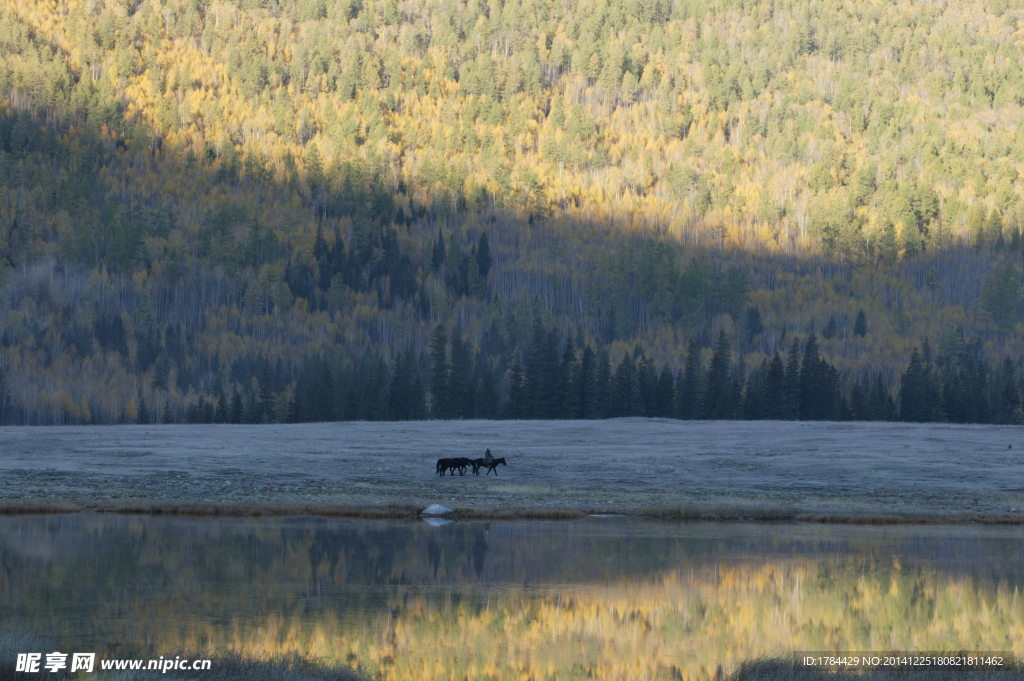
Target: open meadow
x=725, y=470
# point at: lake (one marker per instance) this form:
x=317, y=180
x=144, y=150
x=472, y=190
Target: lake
x=611, y=597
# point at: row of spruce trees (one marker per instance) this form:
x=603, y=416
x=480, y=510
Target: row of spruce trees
x=556, y=379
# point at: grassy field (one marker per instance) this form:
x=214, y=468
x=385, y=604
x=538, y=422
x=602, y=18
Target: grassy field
x=857, y=472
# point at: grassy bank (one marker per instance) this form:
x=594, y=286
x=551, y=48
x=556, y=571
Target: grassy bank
x=712, y=511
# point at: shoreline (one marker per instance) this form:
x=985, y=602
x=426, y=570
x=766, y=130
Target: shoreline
x=710, y=513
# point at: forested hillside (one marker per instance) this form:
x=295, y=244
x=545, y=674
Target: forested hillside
x=277, y=204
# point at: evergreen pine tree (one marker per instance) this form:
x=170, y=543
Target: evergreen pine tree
x=911, y=398
x=775, y=401
x=418, y=403
x=647, y=387
x=161, y=370
x=753, y=398
x=266, y=405
x=568, y=404
x=399, y=390
x=817, y=400
x=1009, y=396
x=236, y=407
x=739, y=378
x=860, y=326
x=883, y=406
x=323, y=260
x=586, y=386
x=487, y=398
x=791, y=393
x=858, y=402
x=534, y=370
x=718, y=391
x=294, y=413
x=603, y=388
x=549, y=378
x=5, y=398
x=483, y=256
x=517, y=395
x=665, y=394
x=623, y=397
x=252, y=413
x=141, y=412
x=460, y=404
x=440, y=251
x=376, y=393
x=678, y=407
x=689, y=399
x=831, y=328
x=754, y=326
x=221, y=415
x=439, y=374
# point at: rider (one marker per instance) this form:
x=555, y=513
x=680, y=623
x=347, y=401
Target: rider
x=488, y=459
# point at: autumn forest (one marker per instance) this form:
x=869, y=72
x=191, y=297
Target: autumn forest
x=308, y=210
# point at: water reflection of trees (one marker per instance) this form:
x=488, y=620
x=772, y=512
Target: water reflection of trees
x=518, y=596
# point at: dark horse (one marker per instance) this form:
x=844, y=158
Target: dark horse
x=459, y=463
x=493, y=466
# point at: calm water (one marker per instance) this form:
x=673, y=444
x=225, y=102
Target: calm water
x=609, y=597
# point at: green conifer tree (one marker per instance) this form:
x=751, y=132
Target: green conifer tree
x=718, y=391
x=860, y=326
x=439, y=408
x=775, y=400
x=689, y=398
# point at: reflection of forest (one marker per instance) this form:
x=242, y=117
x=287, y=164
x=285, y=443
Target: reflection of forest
x=616, y=598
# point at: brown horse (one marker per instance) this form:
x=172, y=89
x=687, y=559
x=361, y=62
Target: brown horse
x=493, y=466
x=460, y=464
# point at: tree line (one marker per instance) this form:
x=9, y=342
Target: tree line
x=557, y=379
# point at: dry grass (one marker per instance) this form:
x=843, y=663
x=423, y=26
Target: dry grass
x=239, y=508
x=772, y=513
x=260, y=508
x=26, y=506
x=530, y=513
x=715, y=511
